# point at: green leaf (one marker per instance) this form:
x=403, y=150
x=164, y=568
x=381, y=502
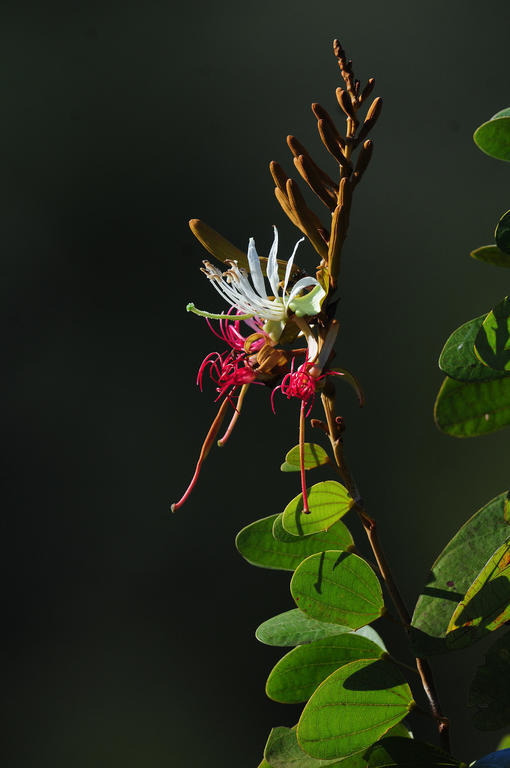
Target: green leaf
x=328, y=502
x=294, y=628
x=469, y=409
x=258, y=546
x=486, y=605
x=299, y=672
x=314, y=456
x=505, y=742
x=453, y=572
x=338, y=536
x=492, y=343
x=494, y=760
x=458, y=359
x=490, y=689
x=493, y=137
x=353, y=708
x=503, y=233
x=337, y=587
x=491, y=254
x=408, y=753
x=283, y=751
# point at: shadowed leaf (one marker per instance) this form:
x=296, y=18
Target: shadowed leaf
x=492, y=343
x=314, y=456
x=490, y=689
x=337, y=587
x=472, y=408
x=503, y=233
x=299, y=672
x=328, y=502
x=491, y=254
x=294, y=628
x=408, y=753
x=353, y=708
x=458, y=359
x=257, y=544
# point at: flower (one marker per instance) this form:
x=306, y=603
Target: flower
x=251, y=299
x=229, y=331
x=228, y=370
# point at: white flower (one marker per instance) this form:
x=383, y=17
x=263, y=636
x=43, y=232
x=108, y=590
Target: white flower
x=251, y=298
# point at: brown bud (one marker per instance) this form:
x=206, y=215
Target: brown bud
x=345, y=103
x=370, y=120
x=367, y=90
x=279, y=175
x=363, y=160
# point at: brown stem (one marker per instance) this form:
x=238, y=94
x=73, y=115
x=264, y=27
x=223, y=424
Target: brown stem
x=370, y=527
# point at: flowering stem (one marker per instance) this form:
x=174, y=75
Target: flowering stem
x=237, y=412
x=370, y=527
x=206, y=447
x=306, y=508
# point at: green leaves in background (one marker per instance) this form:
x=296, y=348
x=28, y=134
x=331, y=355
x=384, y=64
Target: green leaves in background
x=299, y=672
x=490, y=689
x=408, y=753
x=493, y=137
x=337, y=587
x=294, y=628
x=353, y=708
x=492, y=343
x=258, y=545
x=454, y=571
x=283, y=751
x=458, y=359
x=472, y=408
x=486, y=605
x=328, y=502
x=502, y=233
x=315, y=456
x=491, y=254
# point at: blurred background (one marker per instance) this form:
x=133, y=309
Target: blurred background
x=130, y=632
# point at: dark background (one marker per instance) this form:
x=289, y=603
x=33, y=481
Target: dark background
x=129, y=632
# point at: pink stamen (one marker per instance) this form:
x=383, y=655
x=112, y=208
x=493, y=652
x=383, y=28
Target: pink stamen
x=230, y=332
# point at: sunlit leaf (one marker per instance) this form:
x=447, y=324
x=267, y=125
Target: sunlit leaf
x=294, y=628
x=454, y=571
x=257, y=544
x=283, y=751
x=490, y=689
x=472, y=408
x=338, y=587
x=491, y=254
x=328, y=502
x=314, y=456
x=486, y=605
x=409, y=753
x=299, y=672
x=492, y=343
x=505, y=742
x=493, y=137
x=503, y=233
x=353, y=708
x=458, y=359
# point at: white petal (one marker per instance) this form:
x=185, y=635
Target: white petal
x=256, y=272
x=272, y=265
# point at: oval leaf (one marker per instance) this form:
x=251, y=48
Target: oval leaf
x=458, y=359
x=314, y=456
x=408, y=753
x=298, y=674
x=353, y=708
x=472, y=408
x=337, y=587
x=492, y=343
x=258, y=546
x=338, y=536
x=328, y=502
x=294, y=628
x=493, y=137
x=283, y=751
x=454, y=571
x=491, y=254
x=486, y=605
x=503, y=233
x=490, y=691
